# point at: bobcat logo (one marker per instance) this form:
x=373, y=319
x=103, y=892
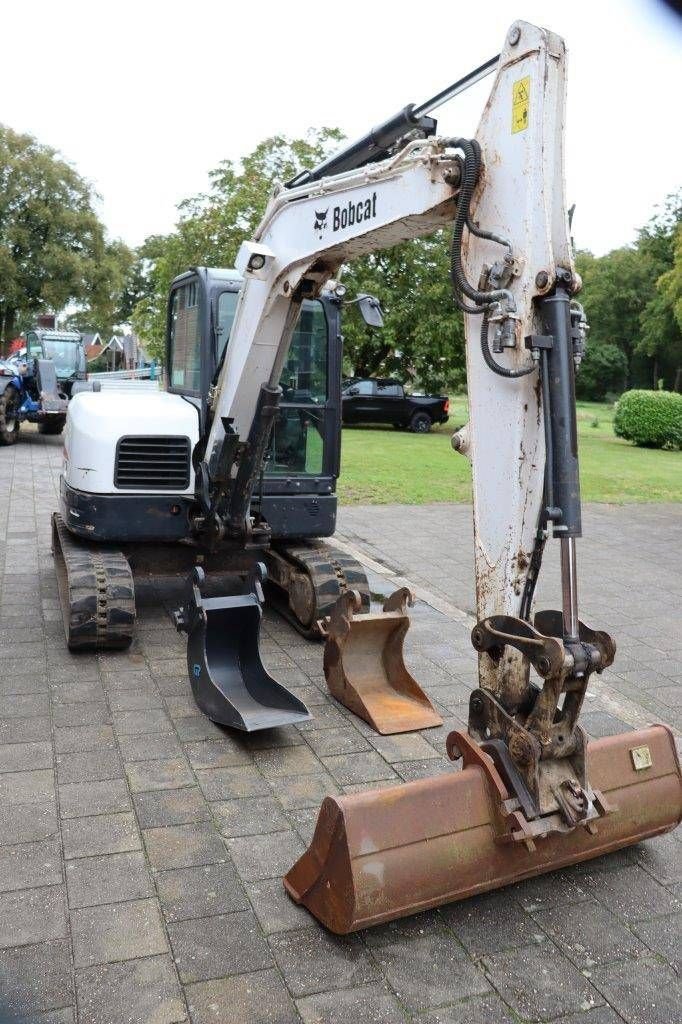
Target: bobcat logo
x=320, y=221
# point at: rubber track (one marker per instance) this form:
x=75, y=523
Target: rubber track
x=331, y=572
x=96, y=592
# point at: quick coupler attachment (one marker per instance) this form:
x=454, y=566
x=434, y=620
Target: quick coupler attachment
x=229, y=681
x=364, y=665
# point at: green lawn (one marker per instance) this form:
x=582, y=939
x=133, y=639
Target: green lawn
x=381, y=465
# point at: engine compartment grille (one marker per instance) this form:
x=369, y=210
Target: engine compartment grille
x=152, y=463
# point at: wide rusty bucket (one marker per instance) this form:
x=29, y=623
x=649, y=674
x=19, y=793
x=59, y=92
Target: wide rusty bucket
x=379, y=855
x=364, y=665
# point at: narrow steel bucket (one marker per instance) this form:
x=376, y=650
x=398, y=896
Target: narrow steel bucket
x=380, y=855
x=365, y=669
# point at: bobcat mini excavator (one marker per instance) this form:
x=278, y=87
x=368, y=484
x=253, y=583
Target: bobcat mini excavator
x=532, y=794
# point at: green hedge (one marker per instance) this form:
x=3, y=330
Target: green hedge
x=652, y=419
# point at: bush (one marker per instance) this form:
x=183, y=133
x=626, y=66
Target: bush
x=652, y=419
x=603, y=370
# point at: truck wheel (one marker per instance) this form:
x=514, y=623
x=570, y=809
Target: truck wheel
x=54, y=425
x=9, y=420
x=420, y=423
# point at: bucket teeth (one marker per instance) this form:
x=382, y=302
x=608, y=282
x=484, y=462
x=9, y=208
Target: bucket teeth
x=365, y=669
x=376, y=856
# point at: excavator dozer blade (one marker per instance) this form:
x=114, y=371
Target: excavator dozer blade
x=229, y=681
x=365, y=669
x=379, y=855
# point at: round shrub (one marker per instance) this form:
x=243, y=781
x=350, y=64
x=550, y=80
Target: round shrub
x=652, y=419
x=602, y=371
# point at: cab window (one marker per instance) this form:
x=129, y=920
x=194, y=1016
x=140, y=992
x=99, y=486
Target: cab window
x=304, y=375
x=227, y=306
x=185, y=339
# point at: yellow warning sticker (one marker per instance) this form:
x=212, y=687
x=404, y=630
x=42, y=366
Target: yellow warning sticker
x=520, y=104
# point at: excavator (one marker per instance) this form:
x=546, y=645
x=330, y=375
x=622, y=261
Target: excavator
x=532, y=794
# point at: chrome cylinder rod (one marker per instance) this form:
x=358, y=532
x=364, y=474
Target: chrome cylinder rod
x=569, y=588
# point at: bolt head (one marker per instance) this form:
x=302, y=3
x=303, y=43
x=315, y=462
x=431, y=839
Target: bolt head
x=542, y=279
x=514, y=35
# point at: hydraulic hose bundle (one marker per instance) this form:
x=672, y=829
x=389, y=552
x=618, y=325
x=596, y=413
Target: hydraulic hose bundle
x=462, y=287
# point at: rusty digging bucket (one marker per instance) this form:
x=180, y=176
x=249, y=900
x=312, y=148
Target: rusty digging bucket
x=364, y=666
x=379, y=855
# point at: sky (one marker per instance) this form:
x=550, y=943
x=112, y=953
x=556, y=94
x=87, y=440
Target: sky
x=145, y=97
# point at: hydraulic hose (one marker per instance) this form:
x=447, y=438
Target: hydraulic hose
x=472, y=164
x=496, y=367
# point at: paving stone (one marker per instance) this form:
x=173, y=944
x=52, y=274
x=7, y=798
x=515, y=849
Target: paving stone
x=265, y=856
x=181, y=846
x=150, y=747
x=275, y=911
x=134, y=992
x=135, y=700
x=32, y=915
x=642, y=992
x=632, y=894
x=224, y=783
x=81, y=692
x=328, y=742
x=589, y=934
x=663, y=935
x=313, y=960
x=557, y=888
x=601, y=723
x=170, y=807
x=429, y=970
x=370, y=1004
x=70, y=716
x=19, y=757
x=117, y=931
x=257, y=998
x=84, y=737
x=63, y=1016
x=144, y=776
x=23, y=705
x=198, y=728
x=477, y=1010
x=24, y=730
x=106, y=833
x=249, y=817
x=409, y=771
x=539, y=982
x=306, y=791
x=88, y=766
x=28, y=865
x=223, y=753
x=403, y=747
x=83, y=798
x=36, y=978
x=110, y=879
x=490, y=923
x=138, y=723
x=283, y=761
x=201, y=891
x=211, y=947
x=28, y=823
x=362, y=767
x=662, y=858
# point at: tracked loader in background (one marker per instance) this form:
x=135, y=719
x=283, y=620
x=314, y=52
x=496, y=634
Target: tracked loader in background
x=532, y=794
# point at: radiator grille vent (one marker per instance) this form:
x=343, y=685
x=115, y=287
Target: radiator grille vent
x=152, y=463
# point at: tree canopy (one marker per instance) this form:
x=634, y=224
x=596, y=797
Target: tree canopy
x=53, y=249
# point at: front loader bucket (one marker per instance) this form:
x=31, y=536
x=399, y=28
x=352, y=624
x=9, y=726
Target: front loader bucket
x=364, y=666
x=379, y=855
x=228, y=679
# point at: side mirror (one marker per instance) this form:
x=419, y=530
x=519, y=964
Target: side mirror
x=370, y=310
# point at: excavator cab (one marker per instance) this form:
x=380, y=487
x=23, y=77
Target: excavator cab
x=296, y=494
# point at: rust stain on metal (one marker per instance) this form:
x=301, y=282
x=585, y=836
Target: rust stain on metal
x=385, y=854
x=365, y=669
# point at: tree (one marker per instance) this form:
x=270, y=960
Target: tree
x=602, y=372
x=212, y=225
x=52, y=245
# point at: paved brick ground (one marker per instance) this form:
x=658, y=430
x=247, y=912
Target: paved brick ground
x=141, y=847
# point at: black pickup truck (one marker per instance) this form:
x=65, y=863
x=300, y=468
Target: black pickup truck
x=382, y=400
